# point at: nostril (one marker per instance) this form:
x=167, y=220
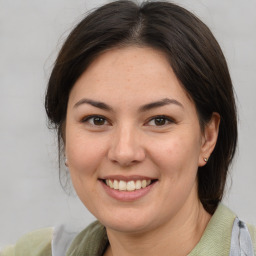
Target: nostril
x=126, y=148
x=126, y=157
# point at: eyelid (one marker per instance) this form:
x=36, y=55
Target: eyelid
x=87, y=118
x=167, y=118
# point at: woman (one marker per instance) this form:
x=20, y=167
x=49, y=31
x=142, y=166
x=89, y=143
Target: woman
x=143, y=103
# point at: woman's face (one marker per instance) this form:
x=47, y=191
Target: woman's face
x=130, y=125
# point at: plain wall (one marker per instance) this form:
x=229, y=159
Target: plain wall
x=31, y=33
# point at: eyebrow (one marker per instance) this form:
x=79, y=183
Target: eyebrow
x=146, y=107
x=160, y=103
x=94, y=103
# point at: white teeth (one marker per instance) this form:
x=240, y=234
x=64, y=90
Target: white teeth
x=138, y=184
x=143, y=183
x=130, y=185
x=110, y=184
x=122, y=185
x=116, y=184
x=127, y=186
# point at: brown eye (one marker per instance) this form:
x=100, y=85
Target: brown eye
x=95, y=120
x=160, y=121
x=98, y=121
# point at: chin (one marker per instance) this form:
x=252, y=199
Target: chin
x=123, y=227
x=132, y=222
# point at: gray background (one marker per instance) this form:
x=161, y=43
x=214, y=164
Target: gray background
x=31, y=32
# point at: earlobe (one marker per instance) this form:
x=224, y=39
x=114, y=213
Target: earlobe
x=66, y=162
x=209, y=140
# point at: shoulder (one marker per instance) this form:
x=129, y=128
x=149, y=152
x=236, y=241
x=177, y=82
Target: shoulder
x=36, y=243
x=91, y=241
x=243, y=234
x=225, y=234
x=252, y=230
x=60, y=241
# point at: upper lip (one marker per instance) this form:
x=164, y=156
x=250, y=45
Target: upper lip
x=127, y=178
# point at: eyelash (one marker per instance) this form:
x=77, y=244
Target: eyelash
x=162, y=117
x=166, y=119
x=93, y=117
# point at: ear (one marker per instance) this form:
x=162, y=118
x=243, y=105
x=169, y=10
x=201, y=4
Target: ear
x=209, y=139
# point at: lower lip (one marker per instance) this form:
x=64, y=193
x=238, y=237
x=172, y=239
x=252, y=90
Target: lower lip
x=127, y=196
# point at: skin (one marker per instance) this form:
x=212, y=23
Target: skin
x=129, y=141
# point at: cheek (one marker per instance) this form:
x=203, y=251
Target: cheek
x=177, y=154
x=84, y=153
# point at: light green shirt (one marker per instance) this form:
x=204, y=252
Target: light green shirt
x=93, y=240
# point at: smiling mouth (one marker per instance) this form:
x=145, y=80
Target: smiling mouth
x=131, y=185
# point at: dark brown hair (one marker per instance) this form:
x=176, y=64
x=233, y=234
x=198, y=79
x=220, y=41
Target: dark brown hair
x=194, y=55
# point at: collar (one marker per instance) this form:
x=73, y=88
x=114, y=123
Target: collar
x=217, y=235
x=216, y=238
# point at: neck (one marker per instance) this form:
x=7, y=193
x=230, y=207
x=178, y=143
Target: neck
x=177, y=237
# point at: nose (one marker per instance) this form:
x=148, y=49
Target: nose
x=126, y=146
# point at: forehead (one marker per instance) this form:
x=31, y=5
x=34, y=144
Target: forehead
x=126, y=74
